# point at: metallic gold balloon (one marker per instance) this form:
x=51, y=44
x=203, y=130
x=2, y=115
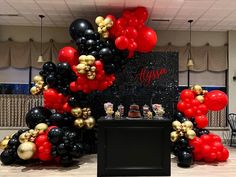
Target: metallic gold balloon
x=22, y=138
x=76, y=112
x=174, y=136
x=197, y=89
x=200, y=98
x=41, y=127
x=26, y=150
x=93, y=68
x=90, y=59
x=89, y=123
x=190, y=134
x=34, y=90
x=176, y=125
x=37, y=78
x=99, y=19
x=79, y=123
x=188, y=124
x=4, y=143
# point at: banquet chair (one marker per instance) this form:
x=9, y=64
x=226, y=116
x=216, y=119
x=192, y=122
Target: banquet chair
x=232, y=123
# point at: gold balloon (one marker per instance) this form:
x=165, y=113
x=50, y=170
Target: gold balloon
x=41, y=127
x=37, y=78
x=188, y=124
x=23, y=138
x=190, y=134
x=79, y=123
x=4, y=143
x=197, y=89
x=200, y=98
x=174, y=136
x=76, y=112
x=176, y=125
x=34, y=90
x=89, y=123
x=26, y=150
x=99, y=19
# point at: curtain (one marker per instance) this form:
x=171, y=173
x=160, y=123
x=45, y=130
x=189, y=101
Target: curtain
x=25, y=54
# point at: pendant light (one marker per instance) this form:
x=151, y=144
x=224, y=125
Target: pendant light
x=40, y=58
x=190, y=60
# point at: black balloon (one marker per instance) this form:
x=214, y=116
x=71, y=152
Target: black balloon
x=110, y=68
x=90, y=43
x=106, y=55
x=66, y=160
x=13, y=142
x=55, y=135
x=61, y=149
x=37, y=115
x=89, y=34
x=76, y=151
x=49, y=67
x=185, y=159
x=63, y=68
x=7, y=157
x=78, y=28
x=57, y=119
x=51, y=80
x=182, y=142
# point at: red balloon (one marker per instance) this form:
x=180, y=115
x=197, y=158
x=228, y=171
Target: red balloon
x=187, y=94
x=196, y=142
x=112, y=17
x=47, y=145
x=131, y=32
x=99, y=65
x=181, y=106
x=215, y=138
x=68, y=54
x=206, y=139
x=46, y=155
x=133, y=21
x=216, y=100
x=67, y=107
x=121, y=22
x=141, y=14
x=202, y=121
x=206, y=150
x=225, y=154
x=203, y=108
x=132, y=46
x=211, y=157
x=195, y=102
x=73, y=87
x=121, y=42
x=197, y=156
x=219, y=146
x=189, y=113
x=219, y=156
x=40, y=140
x=127, y=14
x=146, y=40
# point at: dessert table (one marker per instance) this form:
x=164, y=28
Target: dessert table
x=138, y=147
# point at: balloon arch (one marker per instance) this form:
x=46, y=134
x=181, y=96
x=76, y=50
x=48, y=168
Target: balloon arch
x=57, y=131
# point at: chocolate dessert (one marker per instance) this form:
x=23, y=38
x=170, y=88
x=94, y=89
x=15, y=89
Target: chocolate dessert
x=134, y=111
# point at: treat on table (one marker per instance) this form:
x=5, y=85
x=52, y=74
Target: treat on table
x=149, y=115
x=121, y=109
x=159, y=110
x=108, y=107
x=117, y=115
x=134, y=111
x=145, y=110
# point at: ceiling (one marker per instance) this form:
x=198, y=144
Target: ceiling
x=208, y=15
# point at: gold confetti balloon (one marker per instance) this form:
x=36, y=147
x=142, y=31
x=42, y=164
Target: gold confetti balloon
x=79, y=123
x=26, y=150
x=89, y=123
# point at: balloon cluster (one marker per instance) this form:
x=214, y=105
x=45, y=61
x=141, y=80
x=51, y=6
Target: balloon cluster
x=193, y=106
x=130, y=32
x=61, y=130
x=100, y=82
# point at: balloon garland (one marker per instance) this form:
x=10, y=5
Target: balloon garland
x=60, y=130
x=191, y=142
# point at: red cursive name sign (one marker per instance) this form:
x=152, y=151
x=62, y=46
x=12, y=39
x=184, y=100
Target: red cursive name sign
x=146, y=77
